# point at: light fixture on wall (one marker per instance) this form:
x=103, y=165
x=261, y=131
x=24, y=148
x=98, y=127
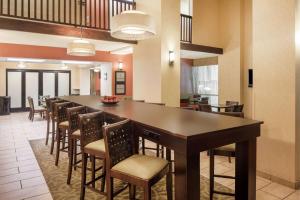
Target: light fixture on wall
x=21, y=65
x=132, y=25
x=120, y=66
x=81, y=47
x=171, y=58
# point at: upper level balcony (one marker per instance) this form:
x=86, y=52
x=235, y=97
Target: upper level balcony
x=89, y=14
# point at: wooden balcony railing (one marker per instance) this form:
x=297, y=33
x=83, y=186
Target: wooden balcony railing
x=119, y=6
x=186, y=26
x=84, y=13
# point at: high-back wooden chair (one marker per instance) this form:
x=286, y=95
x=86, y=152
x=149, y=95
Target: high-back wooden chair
x=53, y=118
x=38, y=110
x=228, y=151
x=230, y=103
x=48, y=117
x=124, y=162
x=92, y=145
x=205, y=107
x=238, y=108
x=62, y=125
x=73, y=136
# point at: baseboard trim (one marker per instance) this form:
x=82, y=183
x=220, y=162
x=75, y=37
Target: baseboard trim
x=294, y=185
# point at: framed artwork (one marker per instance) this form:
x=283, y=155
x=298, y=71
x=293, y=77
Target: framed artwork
x=120, y=82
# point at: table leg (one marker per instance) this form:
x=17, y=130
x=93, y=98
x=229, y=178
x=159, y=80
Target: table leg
x=187, y=176
x=245, y=185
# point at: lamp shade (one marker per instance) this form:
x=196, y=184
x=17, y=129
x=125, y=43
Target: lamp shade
x=132, y=25
x=81, y=48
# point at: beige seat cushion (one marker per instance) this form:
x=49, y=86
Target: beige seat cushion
x=76, y=133
x=230, y=147
x=97, y=146
x=141, y=166
x=64, y=124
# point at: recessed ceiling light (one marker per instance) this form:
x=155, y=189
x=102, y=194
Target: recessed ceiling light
x=76, y=62
x=25, y=60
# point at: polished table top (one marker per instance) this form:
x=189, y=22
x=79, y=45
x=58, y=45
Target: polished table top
x=182, y=123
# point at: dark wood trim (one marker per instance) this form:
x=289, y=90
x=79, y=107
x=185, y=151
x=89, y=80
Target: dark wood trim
x=56, y=29
x=120, y=82
x=201, y=48
x=56, y=83
x=23, y=85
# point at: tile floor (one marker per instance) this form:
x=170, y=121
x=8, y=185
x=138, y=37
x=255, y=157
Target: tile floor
x=21, y=177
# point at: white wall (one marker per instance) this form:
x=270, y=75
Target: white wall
x=85, y=78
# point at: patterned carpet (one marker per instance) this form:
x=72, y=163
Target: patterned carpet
x=56, y=178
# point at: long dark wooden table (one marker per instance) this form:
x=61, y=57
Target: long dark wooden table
x=188, y=133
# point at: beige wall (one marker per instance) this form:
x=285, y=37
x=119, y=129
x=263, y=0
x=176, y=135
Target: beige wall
x=274, y=85
x=206, y=32
x=153, y=79
x=297, y=42
x=259, y=34
x=146, y=59
x=229, y=62
x=75, y=78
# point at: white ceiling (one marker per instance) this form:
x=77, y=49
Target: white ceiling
x=26, y=38
x=195, y=54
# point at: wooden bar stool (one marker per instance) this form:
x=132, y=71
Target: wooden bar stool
x=124, y=162
x=73, y=137
x=228, y=151
x=92, y=145
x=53, y=122
x=159, y=150
x=48, y=117
x=62, y=125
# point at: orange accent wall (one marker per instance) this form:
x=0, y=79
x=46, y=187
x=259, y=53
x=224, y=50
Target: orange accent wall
x=28, y=51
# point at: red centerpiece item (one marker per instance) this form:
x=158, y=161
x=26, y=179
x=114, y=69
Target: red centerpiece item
x=109, y=100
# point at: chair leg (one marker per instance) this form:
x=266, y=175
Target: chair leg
x=75, y=154
x=53, y=137
x=83, y=175
x=169, y=179
x=32, y=116
x=143, y=146
x=70, y=167
x=110, y=188
x=157, y=150
x=229, y=159
x=58, y=138
x=132, y=191
x=147, y=193
x=48, y=131
x=211, y=174
x=93, y=170
x=104, y=177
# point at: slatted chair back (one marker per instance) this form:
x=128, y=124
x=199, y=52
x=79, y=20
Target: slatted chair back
x=238, y=108
x=31, y=104
x=119, y=142
x=205, y=108
x=60, y=111
x=73, y=117
x=48, y=103
x=52, y=102
x=90, y=125
x=231, y=103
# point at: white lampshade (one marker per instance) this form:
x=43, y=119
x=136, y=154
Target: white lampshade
x=132, y=25
x=81, y=48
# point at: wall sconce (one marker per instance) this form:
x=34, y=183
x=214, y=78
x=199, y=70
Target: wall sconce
x=21, y=65
x=120, y=66
x=171, y=58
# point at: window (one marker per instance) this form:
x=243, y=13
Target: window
x=205, y=82
x=186, y=7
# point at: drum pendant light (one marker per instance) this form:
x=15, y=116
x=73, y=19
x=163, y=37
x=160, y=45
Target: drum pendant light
x=81, y=47
x=132, y=25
